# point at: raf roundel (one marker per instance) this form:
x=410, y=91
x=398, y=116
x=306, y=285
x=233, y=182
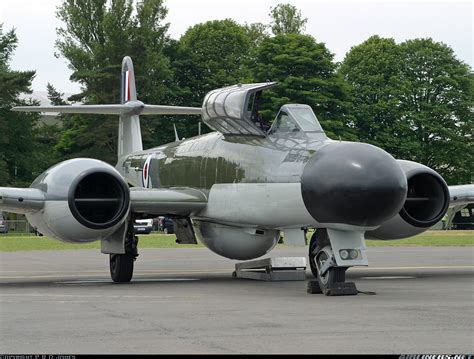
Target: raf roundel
x=146, y=173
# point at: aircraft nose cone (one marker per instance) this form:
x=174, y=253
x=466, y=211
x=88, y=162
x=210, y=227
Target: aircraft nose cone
x=353, y=183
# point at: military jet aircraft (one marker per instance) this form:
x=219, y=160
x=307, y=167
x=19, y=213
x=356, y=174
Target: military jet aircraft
x=237, y=188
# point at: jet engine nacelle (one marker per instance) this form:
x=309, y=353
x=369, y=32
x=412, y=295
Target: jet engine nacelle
x=426, y=203
x=85, y=200
x=236, y=242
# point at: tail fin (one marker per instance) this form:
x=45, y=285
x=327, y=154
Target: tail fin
x=128, y=91
x=129, y=135
x=130, y=138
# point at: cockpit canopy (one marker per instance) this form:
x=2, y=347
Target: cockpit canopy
x=295, y=118
x=234, y=110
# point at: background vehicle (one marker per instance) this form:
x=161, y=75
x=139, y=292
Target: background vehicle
x=464, y=219
x=168, y=227
x=3, y=224
x=143, y=226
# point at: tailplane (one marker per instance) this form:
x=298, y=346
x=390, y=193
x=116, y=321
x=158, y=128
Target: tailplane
x=130, y=138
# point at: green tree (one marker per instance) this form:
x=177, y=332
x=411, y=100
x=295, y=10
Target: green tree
x=414, y=100
x=287, y=19
x=48, y=134
x=256, y=32
x=18, y=143
x=96, y=35
x=55, y=96
x=209, y=55
x=373, y=71
x=437, y=103
x=306, y=74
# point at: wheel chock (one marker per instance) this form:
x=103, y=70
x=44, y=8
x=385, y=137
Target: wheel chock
x=335, y=289
x=313, y=287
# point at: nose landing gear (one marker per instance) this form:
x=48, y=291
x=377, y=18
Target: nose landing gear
x=330, y=277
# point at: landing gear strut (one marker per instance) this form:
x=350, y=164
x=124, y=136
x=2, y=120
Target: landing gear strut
x=121, y=265
x=321, y=261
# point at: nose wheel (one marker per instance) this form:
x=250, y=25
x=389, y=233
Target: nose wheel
x=321, y=261
x=121, y=265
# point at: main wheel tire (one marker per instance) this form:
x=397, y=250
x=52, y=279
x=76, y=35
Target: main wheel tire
x=121, y=267
x=334, y=274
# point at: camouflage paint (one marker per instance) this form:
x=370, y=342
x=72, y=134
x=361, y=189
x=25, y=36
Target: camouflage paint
x=203, y=161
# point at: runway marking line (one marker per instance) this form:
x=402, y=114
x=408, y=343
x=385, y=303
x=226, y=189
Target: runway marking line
x=100, y=273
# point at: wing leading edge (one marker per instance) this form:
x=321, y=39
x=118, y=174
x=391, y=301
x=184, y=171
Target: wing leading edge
x=21, y=200
x=179, y=201
x=461, y=195
x=127, y=109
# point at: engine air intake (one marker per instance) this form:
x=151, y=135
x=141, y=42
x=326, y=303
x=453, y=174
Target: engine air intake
x=99, y=199
x=427, y=200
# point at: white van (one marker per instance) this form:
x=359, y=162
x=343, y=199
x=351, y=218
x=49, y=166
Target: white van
x=143, y=226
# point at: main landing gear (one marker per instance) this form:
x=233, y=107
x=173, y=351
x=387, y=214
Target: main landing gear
x=330, y=277
x=121, y=265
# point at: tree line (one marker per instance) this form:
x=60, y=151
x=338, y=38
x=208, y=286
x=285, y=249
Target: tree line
x=414, y=99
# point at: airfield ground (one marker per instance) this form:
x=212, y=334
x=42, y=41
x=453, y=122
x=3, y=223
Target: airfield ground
x=185, y=301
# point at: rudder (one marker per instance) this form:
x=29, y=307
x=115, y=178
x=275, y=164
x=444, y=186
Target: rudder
x=128, y=91
x=129, y=136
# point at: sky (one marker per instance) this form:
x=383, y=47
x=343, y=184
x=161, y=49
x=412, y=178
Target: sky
x=340, y=24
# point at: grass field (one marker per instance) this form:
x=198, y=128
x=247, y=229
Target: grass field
x=31, y=243
x=430, y=238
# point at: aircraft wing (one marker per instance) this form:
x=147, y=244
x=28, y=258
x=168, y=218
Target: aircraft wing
x=21, y=200
x=177, y=200
x=129, y=108
x=461, y=195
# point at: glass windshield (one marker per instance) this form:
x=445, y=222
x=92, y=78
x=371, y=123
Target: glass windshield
x=284, y=123
x=306, y=118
